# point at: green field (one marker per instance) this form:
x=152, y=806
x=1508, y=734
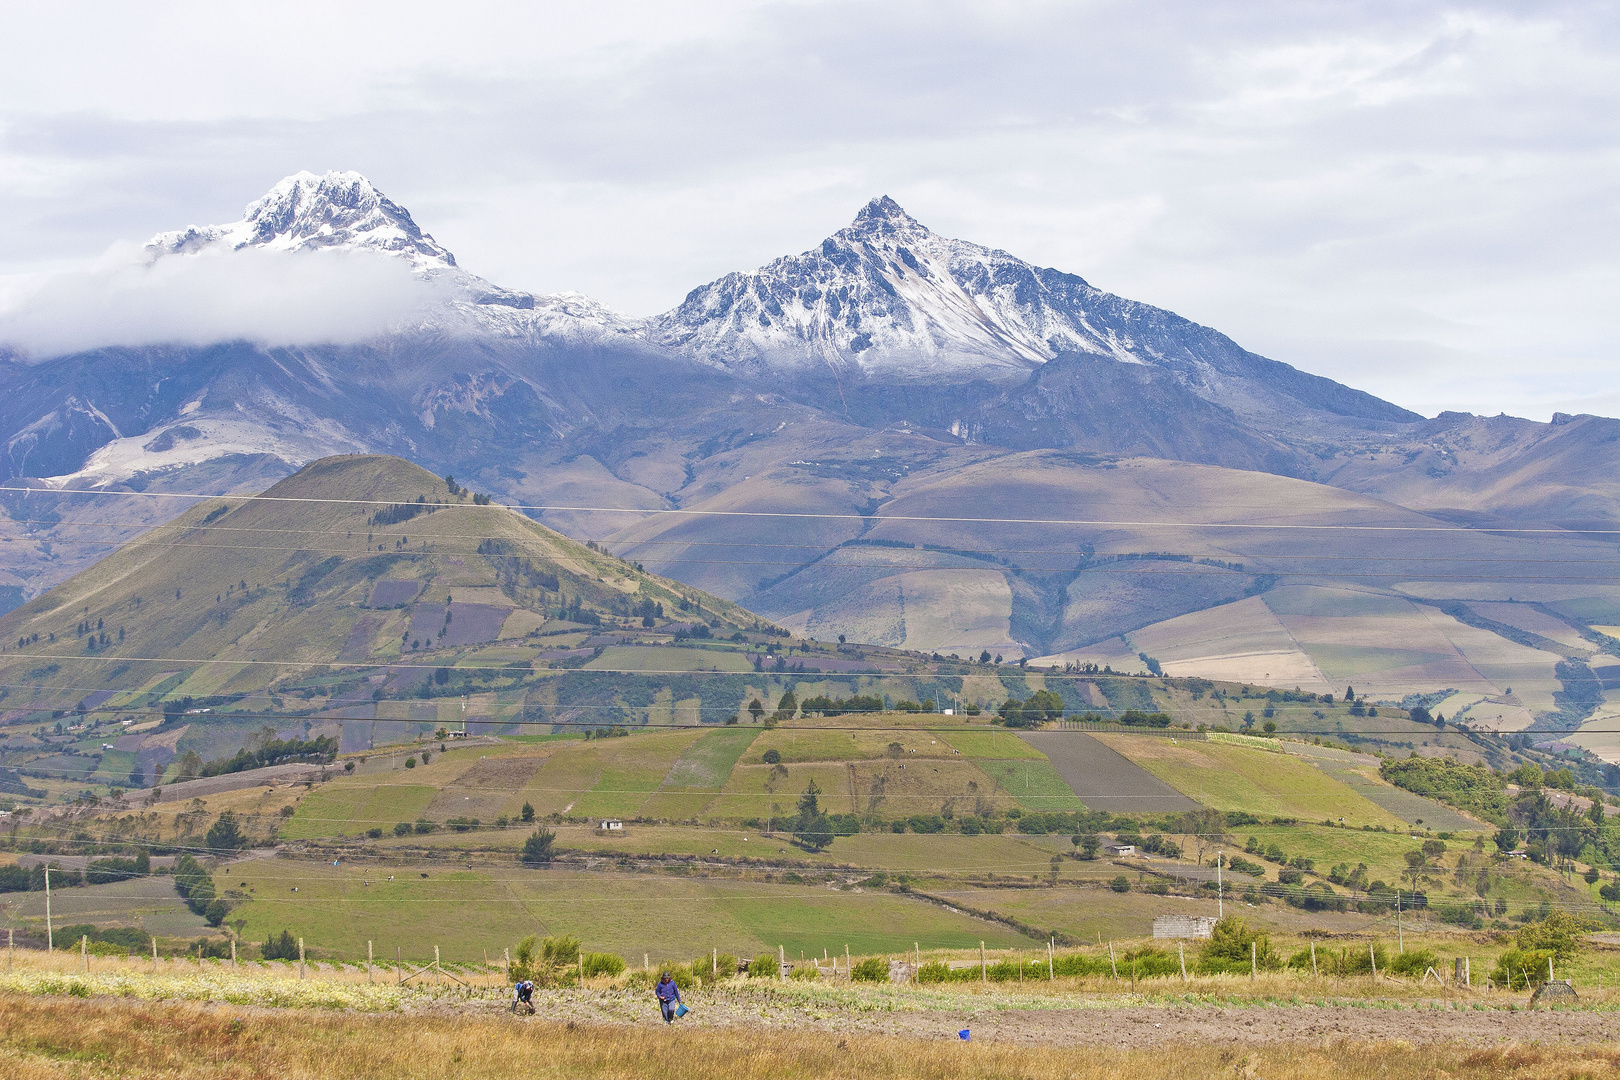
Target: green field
x=465, y=912
x=1033, y=783
x=1233, y=778
x=350, y=809
x=991, y=744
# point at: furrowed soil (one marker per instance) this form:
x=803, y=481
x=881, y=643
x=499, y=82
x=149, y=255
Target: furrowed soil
x=1101, y=1022
x=576, y=1036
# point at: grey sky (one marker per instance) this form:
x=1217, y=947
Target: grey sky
x=1417, y=199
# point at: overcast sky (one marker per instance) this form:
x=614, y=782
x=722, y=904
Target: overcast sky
x=1417, y=199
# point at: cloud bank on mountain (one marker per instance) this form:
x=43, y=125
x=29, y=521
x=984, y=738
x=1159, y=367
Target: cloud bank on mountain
x=268, y=297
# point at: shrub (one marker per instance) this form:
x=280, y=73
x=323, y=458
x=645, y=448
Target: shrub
x=1231, y=947
x=764, y=966
x=537, y=849
x=284, y=947
x=1559, y=933
x=601, y=963
x=1414, y=962
x=935, y=971
x=1521, y=969
x=376, y=833
x=772, y=756
x=872, y=969
x=805, y=972
x=424, y=826
x=1120, y=884
x=402, y=829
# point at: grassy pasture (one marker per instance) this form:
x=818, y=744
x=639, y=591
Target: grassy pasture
x=1234, y=778
x=465, y=912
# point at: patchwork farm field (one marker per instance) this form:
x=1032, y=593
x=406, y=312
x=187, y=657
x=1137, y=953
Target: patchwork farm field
x=466, y=912
x=1235, y=778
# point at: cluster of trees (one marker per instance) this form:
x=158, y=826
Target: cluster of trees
x=322, y=748
x=856, y=703
x=401, y=512
x=196, y=888
x=1040, y=707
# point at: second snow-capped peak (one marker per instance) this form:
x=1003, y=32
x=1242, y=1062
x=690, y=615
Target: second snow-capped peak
x=335, y=210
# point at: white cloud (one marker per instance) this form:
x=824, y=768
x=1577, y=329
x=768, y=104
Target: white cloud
x=1316, y=180
x=268, y=297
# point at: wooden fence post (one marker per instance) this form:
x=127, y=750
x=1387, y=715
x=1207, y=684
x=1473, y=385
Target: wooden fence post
x=1051, y=961
x=300, y=958
x=984, y=971
x=1313, y=960
x=369, y=961
x=154, y=955
x=582, y=969
x=1181, y=954
x=1254, y=960
x=781, y=960
x=399, y=969
x=438, y=972
x=233, y=952
x=84, y=953
x=646, y=964
x=11, y=947
x=1373, y=956
x=714, y=961
x=1111, y=962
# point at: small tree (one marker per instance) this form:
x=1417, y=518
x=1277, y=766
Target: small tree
x=756, y=710
x=537, y=849
x=812, y=828
x=528, y=812
x=225, y=835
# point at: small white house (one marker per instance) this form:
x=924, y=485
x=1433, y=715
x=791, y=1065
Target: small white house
x=1120, y=849
x=610, y=825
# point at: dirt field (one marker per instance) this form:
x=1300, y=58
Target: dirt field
x=1105, y=779
x=1093, y=1022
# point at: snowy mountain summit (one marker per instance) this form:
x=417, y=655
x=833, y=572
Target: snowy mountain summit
x=345, y=212
x=338, y=210
x=887, y=296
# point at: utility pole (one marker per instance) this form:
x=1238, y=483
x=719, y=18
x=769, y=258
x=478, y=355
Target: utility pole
x=1220, y=895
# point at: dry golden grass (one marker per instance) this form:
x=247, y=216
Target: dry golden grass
x=40, y=1039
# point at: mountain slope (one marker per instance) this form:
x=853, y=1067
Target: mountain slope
x=886, y=297
x=239, y=594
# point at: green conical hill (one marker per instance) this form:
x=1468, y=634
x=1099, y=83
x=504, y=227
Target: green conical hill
x=350, y=559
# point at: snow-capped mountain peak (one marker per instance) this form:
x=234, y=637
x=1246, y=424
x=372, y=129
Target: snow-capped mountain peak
x=335, y=210
x=888, y=295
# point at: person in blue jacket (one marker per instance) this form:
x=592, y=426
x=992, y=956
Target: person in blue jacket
x=668, y=995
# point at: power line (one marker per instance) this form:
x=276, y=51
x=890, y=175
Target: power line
x=804, y=515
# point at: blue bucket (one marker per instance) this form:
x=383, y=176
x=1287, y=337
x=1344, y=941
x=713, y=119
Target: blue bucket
x=681, y=1010
x=965, y=1034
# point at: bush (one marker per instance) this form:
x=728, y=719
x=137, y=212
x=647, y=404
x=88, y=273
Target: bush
x=284, y=947
x=402, y=829
x=1414, y=962
x=601, y=963
x=1559, y=933
x=1120, y=884
x=872, y=969
x=376, y=833
x=424, y=826
x=935, y=971
x=764, y=966
x=537, y=849
x=1521, y=969
x=1232, y=946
